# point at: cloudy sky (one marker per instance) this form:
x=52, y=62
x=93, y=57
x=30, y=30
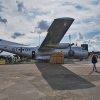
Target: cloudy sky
x=21, y=20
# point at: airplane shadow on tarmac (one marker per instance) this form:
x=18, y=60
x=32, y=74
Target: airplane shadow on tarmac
x=98, y=71
x=60, y=78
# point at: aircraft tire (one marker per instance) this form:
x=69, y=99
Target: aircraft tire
x=81, y=59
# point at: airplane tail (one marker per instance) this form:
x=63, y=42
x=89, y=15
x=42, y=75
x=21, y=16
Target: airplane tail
x=4, y=42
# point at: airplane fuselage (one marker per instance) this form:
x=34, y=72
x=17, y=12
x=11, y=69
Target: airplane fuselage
x=27, y=51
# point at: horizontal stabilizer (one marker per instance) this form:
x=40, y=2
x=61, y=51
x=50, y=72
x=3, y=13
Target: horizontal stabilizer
x=4, y=42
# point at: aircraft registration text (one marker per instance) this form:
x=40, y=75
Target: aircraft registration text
x=21, y=49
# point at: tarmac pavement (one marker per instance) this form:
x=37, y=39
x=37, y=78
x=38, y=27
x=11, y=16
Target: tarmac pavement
x=45, y=81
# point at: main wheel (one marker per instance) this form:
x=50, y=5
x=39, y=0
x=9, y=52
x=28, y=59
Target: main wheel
x=80, y=59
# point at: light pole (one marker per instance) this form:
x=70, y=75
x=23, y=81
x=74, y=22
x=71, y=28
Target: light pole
x=39, y=37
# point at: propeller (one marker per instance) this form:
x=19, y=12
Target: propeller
x=70, y=40
x=71, y=52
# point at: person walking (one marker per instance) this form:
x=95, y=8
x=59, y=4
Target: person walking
x=94, y=61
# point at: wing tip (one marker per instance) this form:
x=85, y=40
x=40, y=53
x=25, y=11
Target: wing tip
x=66, y=18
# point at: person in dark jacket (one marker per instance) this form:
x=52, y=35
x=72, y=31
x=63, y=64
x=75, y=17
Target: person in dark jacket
x=94, y=61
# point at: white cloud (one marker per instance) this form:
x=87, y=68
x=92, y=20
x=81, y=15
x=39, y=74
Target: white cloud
x=96, y=37
x=94, y=48
x=92, y=43
x=80, y=37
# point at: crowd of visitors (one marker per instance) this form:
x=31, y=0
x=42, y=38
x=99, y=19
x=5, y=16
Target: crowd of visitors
x=11, y=60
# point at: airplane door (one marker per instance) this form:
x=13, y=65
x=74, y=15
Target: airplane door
x=33, y=54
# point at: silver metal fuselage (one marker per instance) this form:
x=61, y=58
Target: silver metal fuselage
x=79, y=53
x=26, y=51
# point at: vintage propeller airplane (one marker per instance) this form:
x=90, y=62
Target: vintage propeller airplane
x=50, y=45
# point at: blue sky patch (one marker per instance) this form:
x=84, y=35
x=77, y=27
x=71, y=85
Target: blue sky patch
x=91, y=35
x=96, y=2
x=78, y=7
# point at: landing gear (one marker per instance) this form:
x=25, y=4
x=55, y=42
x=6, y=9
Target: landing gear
x=80, y=59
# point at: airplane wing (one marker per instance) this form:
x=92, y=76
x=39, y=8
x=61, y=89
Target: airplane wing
x=56, y=32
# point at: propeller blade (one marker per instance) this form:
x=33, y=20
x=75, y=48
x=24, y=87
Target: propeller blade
x=70, y=40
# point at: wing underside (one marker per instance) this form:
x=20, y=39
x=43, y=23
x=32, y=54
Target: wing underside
x=56, y=32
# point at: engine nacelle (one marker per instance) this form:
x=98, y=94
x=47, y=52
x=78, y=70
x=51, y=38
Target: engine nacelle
x=71, y=53
x=60, y=46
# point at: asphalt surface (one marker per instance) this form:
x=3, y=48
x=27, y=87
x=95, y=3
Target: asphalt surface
x=44, y=81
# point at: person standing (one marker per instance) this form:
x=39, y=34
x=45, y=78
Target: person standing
x=94, y=61
x=9, y=60
x=6, y=60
